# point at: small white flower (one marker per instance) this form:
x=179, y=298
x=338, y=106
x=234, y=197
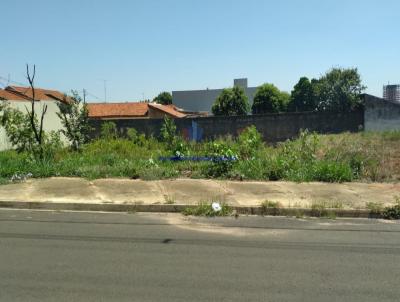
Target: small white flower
x=216, y=206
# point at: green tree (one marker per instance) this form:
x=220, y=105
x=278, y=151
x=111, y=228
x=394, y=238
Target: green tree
x=340, y=90
x=231, y=101
x=109, y=131
x=304, y=96
x=269, y=99
x=74, y=116
x=164, y=98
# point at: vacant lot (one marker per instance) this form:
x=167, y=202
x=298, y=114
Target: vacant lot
x=344, y=157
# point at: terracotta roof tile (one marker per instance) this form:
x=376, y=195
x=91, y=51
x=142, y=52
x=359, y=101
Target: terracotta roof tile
x=40, y=94
x=103, y=110
x=115, y=110
x=6, y=95
x=169, y=109
x=25, y=94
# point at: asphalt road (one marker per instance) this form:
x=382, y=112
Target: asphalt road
x=53, y=256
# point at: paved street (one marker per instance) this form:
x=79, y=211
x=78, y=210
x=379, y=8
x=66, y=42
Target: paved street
x=59, y=256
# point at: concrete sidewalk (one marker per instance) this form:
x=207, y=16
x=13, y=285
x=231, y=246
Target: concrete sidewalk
x=191, y=191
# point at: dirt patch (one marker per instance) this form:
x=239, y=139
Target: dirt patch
x=191, y=191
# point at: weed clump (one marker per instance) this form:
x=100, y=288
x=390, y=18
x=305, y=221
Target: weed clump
x=270, y=208
x=392, y=212
x=206, y=209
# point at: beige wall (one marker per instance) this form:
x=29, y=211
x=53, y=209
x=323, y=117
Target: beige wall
x=51, y=120
x=154, y=113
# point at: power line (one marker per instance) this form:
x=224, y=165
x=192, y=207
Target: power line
x=10, y=81
x=91, y=94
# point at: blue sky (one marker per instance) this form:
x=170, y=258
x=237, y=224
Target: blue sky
x=144, y=47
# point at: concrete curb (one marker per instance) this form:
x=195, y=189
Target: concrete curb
x=175, y=208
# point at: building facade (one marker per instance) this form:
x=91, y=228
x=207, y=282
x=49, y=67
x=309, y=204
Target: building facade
x=391, y=93
x=202, y=100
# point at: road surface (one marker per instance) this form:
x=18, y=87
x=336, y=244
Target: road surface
x=67, y=256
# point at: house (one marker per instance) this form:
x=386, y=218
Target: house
x=20, y=98
x=133, y=110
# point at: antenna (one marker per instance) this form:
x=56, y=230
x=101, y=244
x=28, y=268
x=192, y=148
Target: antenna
x=84, y=95
x=105, y=89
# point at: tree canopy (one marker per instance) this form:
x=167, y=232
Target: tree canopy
x=304, y=96
x=231, y=101
x=339, y=89
x=269, y=99
x=164, y=98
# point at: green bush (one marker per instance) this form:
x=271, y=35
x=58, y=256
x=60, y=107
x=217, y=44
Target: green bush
x=174, y=142
x=392, y=212
x=249, y=142
x=254, y=168
x=108, y=131
x=311, y=157
x=132, y=135
x=223, y=159
x=332, y=172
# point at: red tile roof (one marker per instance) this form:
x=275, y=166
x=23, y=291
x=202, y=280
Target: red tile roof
x=109, y=110
x=16, y=93
x=169, y=109
x=40, y=94
x=126, y=110
x=6, y=95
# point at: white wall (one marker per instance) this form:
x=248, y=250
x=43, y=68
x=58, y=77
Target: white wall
x=51, y=120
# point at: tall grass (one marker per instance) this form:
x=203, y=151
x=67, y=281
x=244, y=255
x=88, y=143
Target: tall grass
x=311, y=157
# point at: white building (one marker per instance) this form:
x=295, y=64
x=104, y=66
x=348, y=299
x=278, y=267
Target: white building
x=19, y=98
x=202, y=100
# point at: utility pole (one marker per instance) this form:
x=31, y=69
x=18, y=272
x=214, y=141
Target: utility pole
x=105, y=88
x=105, y=91
x=84, y=95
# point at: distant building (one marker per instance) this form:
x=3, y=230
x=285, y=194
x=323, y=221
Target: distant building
x=202, y=100
x=391, y=93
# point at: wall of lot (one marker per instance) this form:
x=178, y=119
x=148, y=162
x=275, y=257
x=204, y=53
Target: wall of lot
x=380, y=114
x=273, y=127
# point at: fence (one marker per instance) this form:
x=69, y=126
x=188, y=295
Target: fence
x=273, y=127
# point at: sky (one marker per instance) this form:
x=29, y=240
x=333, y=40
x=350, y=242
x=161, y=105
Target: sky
x=139, y=48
